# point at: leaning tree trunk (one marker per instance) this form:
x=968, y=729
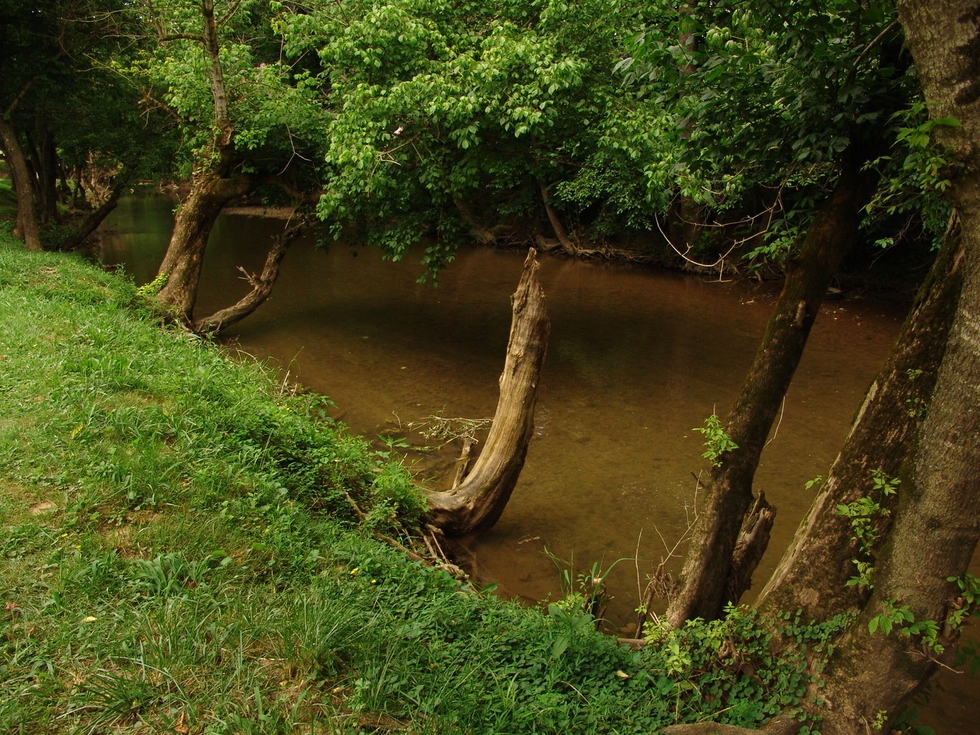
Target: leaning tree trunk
x=21, y=174
x=813, y=574
x=937, y=526
x=478, y=501
x=94, y=218
x=211, y=187
x=185, y=254
x=567, y=246
x=261, y=286
x=709, y=563
x=938, y=521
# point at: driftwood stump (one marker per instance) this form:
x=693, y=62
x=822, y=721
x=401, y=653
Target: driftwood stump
x=477, y=502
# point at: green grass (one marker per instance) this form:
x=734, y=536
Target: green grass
x=185, y=548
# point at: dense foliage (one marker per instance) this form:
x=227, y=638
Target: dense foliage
x=454, y=117
x=574, y=122
x=81, y=124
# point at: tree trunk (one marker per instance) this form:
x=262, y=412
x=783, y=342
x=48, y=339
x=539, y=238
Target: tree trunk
x=751, y=545
x=185, y=254
x=212, y=49
x=480, y=499
x=708, y=565
x=557, y=227
x=78, y=190
x=21, y=175
x=95, y=218
x=480, y=232
x=936, y=530
x=813, y=573
x=211, y=188
x=261, y=286
x=937, y=525
x=46, y=167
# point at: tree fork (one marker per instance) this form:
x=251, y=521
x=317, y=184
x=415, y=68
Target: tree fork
x=480, y=498
x=185, y=254
x=709, y=560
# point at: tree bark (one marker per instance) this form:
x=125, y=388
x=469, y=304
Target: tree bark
x=478, y=501
x=261, y=286
x=185, y=254
x=751, y=545
x=224, y=139
x=709, y=561
x=21, y=174
x=813, y=573
x=937, y=525
x=936, y=530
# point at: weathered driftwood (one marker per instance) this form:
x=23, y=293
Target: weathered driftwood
x=477, y=502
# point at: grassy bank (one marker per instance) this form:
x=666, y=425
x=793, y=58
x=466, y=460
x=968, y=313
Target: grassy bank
x=187, y=548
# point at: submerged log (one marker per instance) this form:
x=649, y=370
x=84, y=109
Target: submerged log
x=477, y=502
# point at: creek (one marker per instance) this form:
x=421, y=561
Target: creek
x=637, y=358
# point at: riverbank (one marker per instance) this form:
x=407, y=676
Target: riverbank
x=181, y=553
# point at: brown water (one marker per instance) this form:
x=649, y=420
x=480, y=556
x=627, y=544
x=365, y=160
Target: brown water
x=637, y=358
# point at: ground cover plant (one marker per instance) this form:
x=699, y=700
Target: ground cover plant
x=189, y=548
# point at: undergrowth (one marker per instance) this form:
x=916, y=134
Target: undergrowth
x=188, y=549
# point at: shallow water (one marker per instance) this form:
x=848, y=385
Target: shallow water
x=637, y=358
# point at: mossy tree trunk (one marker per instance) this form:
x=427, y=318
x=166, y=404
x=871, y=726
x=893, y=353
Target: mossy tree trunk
x=814, y=571
x=935, y=534
x=480, y=498
x=212, y=186
x=27, y=223
x=182, y=263
x=937, y=523
x=709, y=562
